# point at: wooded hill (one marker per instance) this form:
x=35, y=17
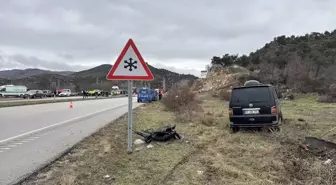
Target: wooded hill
x=303, y=63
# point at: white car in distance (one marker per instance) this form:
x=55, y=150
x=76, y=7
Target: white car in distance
x=65, y=93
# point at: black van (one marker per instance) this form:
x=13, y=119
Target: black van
x=254, y=106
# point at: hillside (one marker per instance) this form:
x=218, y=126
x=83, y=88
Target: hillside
x=21, y=73
x=98, y=74
x=302, y=63
x=87, y=79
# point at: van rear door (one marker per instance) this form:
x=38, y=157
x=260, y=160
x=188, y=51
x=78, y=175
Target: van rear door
x=251, y=100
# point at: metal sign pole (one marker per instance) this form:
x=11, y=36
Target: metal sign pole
x=130, y=98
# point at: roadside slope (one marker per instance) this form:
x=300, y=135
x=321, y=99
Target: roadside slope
x=208, y=154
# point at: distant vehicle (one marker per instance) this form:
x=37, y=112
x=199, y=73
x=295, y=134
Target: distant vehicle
x=95, y=92
x=115, y=90
x=33, y=94
x=48, y=93
x=12, y=90
x=65, y=92
x=58, y=91
x=145, y=95
x=254, y=106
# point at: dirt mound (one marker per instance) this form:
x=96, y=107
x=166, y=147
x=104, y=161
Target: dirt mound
x=224, y=79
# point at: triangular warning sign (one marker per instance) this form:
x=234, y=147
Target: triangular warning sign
x=130, y=65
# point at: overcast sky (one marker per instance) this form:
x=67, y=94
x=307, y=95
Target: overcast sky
x=179, y=35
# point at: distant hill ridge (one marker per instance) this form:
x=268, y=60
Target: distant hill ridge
x=21, y=73
x=86, y=79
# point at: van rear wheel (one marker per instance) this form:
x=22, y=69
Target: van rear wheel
x=234, y=129
x=275, y=129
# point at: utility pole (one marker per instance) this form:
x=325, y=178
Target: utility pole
x=164, y=84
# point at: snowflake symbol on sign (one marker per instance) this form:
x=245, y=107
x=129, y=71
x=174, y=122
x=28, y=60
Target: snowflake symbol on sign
x=130, y=64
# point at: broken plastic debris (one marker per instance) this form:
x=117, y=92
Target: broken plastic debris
x=139, y=142
x=150, y=146
x=327, y=161
x=106, y=176
x=199, y=172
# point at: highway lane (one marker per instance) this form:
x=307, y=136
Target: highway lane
x=33, y=135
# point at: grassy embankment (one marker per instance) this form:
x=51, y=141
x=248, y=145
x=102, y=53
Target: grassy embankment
x=208, y=154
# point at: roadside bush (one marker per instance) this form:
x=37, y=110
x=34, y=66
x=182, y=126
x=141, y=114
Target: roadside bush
x=177, y=98
x=225, y=95
x=183, y=102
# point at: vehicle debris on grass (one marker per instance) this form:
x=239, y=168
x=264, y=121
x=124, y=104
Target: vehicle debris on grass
x=165, y=133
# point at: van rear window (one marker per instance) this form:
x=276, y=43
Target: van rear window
x=252, y=95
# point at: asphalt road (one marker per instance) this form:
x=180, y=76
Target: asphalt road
x=33, y=135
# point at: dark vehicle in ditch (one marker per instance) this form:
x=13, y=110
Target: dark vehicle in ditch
x=254, y=105
x=33, y=94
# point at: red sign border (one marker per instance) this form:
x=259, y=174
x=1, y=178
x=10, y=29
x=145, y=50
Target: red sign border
x=110, y=75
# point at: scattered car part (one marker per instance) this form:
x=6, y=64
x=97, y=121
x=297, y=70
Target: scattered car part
x=163, y=134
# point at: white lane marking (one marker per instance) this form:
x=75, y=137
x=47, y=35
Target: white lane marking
x=29, y=139
x=24, y=141
x=11, y=146
x=57, y=124
x=17, y=143
x=4, y=148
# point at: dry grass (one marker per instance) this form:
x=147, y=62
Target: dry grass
x=208, y=154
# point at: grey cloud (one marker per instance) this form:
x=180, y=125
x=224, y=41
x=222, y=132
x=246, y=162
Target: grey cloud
x=162, y=29
x=66, y=56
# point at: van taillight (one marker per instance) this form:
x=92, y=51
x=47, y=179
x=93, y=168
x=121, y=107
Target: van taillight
x=274, y=110
x=230, y=112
